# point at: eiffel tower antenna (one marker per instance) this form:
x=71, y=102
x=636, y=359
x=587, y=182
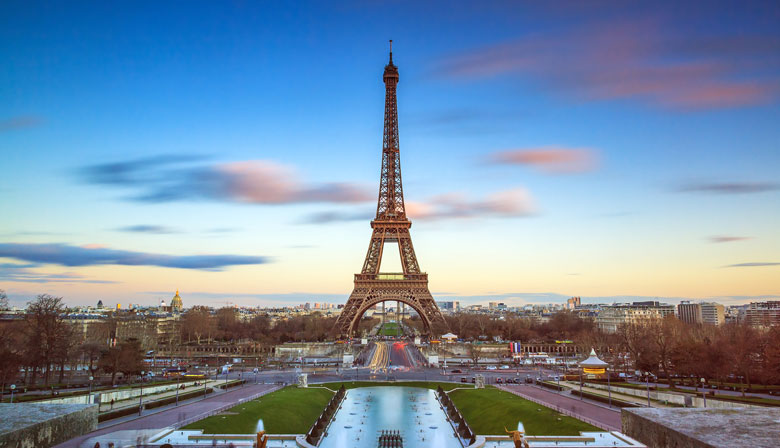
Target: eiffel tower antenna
x=390, y=225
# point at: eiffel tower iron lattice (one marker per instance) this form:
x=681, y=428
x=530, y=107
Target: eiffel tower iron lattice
x=390, y=225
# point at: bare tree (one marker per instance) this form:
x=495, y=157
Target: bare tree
x=3, y=300
x=44, y=328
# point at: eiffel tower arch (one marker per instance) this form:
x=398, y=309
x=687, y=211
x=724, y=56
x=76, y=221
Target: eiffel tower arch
x=390, y=225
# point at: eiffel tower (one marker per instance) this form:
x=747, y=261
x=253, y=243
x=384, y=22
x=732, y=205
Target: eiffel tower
x=409, y=287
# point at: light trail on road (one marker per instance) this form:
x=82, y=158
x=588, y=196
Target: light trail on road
x=381, y=357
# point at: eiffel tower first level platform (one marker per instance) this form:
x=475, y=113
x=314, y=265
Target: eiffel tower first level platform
x=391, y=225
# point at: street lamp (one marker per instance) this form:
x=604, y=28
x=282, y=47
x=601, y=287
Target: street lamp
x=177, y=388
x=13, y=388
x=647, y=383
x=609, y=389
x=141, y=397
x=90, y=385
x=703, y=392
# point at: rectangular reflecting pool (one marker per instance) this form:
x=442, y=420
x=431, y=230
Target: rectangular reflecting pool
x=413, y=412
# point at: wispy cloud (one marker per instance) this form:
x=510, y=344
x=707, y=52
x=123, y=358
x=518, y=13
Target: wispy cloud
x=68, y=255
x=21, y=122
x=510, y=203
x=729, y=187
x=753, y=264
x=185, y=178
x=144, y=228
x=728, y=239
x=513, y=203
x=12, y=272
x=550, y=159
x=639, y=60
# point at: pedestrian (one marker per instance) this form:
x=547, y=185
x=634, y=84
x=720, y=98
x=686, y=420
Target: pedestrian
x=112, y=404
x=97, y=445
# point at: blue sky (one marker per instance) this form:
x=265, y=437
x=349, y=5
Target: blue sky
x=600, y=149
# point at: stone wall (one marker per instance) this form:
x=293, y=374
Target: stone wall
x=295, y=349
x=702, y=428
x=675, y=398
x=119, y=394
x=36, y=425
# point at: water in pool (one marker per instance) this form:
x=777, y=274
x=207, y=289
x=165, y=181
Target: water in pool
x=413, y=411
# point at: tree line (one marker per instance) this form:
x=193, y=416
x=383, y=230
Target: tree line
x=43, y=345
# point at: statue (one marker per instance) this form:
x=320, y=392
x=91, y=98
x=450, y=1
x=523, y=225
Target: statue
x=517, y=438
x=262, y=439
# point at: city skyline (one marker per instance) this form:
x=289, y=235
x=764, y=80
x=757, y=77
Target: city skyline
x=546, y=153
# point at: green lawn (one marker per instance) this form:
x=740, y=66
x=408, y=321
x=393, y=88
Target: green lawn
x=389, y=329
x=487, y=411
x=287, y=411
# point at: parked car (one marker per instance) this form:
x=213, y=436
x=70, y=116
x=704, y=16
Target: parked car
x=473, y=380
x=463, y=379
x=505, y=367
x=499, y=381
x=457, y=371
x=491, y=367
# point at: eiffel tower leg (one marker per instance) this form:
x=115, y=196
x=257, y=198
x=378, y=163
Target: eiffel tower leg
x=349, y=313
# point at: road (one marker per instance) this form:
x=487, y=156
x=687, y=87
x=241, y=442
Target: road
x=153, y=423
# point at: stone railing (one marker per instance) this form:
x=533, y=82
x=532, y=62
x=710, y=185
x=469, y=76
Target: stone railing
x=318, y=428
x=459, y=424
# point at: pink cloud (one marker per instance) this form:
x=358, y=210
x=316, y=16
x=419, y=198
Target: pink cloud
x=637, y=60
x=174, y=178
x=551, y=159
x=509, y=203
x=266, y=182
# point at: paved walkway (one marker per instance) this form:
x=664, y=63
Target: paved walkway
x=594, y=414
x=641, y=401
x=697, y=391
x=126, y=433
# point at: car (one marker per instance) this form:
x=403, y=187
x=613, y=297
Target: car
x=491, y=367
x=473, y=380
x=499, y=381
x=457, y=371
x=505, y=367
x=463, y=379
x=529, y=380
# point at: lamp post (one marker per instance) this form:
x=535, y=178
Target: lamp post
x=609, y=389
x=703, y=392
x=90, y=385
x=13, y=388
x=580, y=383
x=141, y=397
x=177, y=389
x=647, y=383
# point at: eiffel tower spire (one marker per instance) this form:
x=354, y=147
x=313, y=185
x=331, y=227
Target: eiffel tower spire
x=391, y=193
x=390, y=225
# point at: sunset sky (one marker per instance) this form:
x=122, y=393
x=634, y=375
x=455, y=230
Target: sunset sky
x=231, y=150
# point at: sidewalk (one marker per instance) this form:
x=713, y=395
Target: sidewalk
x=132, y=402
x=641, y=401
x=126, y=433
